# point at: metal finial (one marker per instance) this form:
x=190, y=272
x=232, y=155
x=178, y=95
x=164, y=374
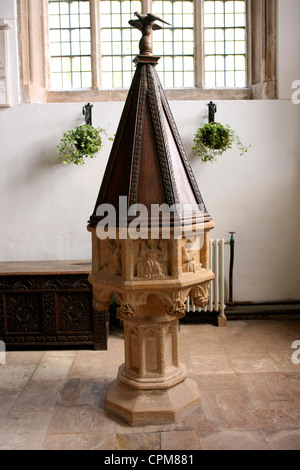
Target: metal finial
x=146, y=23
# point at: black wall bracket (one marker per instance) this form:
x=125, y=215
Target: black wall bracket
x=212, y=109
x=87, y=112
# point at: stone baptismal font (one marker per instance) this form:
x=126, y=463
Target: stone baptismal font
x=152, y=270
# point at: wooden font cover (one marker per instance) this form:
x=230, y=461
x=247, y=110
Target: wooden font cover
x=148, y=162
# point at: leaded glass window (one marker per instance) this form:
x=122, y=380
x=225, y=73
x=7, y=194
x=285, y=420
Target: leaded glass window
x=224, y=43
x=119, y=42
x=70, y=44
x=175, y=44
x=99, y=53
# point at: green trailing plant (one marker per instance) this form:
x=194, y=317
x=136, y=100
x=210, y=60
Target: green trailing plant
x=213, y=139
x=80, y=143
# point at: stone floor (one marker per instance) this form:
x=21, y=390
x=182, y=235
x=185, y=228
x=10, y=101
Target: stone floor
x=249, y=386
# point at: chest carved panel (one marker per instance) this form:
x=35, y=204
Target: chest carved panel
x=49, y=310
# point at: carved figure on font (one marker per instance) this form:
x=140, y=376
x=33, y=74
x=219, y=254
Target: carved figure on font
x=148, y=265
x=114, y=266
x=189, y=265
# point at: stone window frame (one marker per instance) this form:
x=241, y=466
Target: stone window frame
x=35, y=71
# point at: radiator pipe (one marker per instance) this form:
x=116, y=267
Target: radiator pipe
x=231, y=243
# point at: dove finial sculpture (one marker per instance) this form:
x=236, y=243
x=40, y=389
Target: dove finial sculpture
x=146, y=23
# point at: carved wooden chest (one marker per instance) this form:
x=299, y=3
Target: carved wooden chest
x=49, y=303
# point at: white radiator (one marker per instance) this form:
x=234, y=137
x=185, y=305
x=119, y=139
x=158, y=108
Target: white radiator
x=216, y=302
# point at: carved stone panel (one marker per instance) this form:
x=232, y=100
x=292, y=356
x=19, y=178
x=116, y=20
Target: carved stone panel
x=111, y=258
x=134, y=349
x=151, y=259
x=168, y=349
x=152, y=350
x=190, y=256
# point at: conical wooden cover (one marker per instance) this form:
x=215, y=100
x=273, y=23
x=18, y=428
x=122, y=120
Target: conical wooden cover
x=148, y=162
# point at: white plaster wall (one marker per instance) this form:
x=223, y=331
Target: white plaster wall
x=44, y=206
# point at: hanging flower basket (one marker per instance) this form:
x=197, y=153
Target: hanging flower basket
x=80, y=143
x=213, y=139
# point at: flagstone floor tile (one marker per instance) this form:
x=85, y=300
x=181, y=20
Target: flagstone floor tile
x=249, y=388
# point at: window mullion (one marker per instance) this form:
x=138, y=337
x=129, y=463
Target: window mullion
x=146, y=6
x=95, y=43
x=248, y=43
x=46, y=44
x=199, y=43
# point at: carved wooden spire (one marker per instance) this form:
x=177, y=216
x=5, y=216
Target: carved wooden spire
x=148, y=162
